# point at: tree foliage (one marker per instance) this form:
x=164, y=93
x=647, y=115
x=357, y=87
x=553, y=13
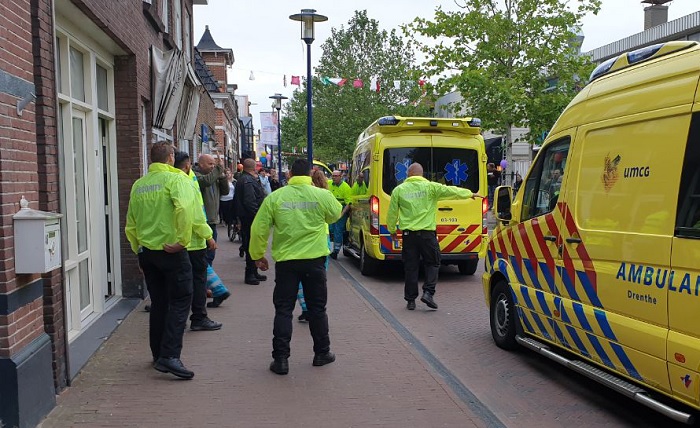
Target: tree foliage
x=515, y=62
x=340, y=113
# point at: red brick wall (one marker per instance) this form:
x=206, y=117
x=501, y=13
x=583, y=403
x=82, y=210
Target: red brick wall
x=206, y=115
x=18, y=169
x=217, y=64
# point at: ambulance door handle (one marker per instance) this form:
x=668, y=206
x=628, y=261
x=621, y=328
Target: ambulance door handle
x=561, y=249
x=573, y=240
x=445, y=209
x=550, y=238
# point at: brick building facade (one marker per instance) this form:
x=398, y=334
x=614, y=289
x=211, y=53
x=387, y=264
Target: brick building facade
x=76, y=149
x=227, y=129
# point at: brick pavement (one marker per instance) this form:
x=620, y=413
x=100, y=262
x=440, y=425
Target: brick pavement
x=377, y=380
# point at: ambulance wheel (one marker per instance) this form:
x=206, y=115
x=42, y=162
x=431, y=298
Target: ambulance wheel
x=368, y=265
x=468, y=267
x=502, y=317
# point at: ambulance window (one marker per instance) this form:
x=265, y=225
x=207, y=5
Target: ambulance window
x=543, y=184
x=397, y=161
x=360, y=169
x=688, y=214
x=456, y=167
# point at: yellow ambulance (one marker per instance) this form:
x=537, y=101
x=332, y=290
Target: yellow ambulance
x=451, y=152
x=598, y=254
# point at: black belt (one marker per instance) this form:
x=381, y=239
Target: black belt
x=419, y=232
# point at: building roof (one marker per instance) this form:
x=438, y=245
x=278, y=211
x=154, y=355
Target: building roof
x=204, y=73
x=207, y=44
x=678, y=29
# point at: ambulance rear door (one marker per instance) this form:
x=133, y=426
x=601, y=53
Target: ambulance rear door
x=457, y=161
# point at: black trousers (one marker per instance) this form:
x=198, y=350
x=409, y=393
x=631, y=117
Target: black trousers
x=198, y=259
x=417, y=245
x=169, y=281
x=250, y=268
x=211, y=254
x=312, y=275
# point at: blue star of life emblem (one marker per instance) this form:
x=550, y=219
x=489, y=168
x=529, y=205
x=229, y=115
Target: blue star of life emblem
x=401, y=170
x=456, y=172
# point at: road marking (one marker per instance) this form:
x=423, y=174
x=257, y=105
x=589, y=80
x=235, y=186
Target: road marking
x=464, y=394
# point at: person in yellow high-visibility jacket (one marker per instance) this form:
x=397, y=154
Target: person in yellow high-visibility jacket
x=343, y=193
x=159, y=228
x=414, y=204
x=299, y=214
x=202, y=240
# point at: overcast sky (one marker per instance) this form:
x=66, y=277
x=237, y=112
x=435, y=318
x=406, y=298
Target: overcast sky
x=265, y=41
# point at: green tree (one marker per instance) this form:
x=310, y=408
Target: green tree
x=515, y=62
x=340, y=113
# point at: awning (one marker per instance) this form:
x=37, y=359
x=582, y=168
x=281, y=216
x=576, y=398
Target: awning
x=169, y=72
x=189, y=106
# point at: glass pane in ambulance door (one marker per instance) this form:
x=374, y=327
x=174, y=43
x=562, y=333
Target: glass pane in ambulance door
x=394, y=172
x=536, y=241
x=459, y=225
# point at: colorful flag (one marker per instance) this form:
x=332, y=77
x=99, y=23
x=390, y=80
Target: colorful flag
x=374, y=84
x=296, y=80
x=338, y=81
x=357, y=83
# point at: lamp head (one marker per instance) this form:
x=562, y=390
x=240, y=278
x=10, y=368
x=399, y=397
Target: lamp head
x=277, y=104
x=308, y=17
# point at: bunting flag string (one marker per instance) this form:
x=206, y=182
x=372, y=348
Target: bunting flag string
x=373, y=85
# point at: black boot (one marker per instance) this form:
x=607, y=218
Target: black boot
x=251, y=279
x=280, y=366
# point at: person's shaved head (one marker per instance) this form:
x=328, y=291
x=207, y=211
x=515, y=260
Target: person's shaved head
x=415, y=169
x=249, y=165
x=206, y=163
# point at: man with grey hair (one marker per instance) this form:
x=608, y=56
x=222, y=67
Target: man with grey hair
x=212, y=181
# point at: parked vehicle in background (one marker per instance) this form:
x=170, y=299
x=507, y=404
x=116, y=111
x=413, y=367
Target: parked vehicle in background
x=451, y=152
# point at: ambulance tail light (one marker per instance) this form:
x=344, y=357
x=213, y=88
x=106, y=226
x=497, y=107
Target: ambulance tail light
x=374, y=215
x=484, y=213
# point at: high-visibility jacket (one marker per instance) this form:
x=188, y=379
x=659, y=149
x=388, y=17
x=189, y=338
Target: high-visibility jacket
x=342, y=192
x=201, y=231
x=359, y=189
x=300, y=214
x=160, y=209
x=414, y=203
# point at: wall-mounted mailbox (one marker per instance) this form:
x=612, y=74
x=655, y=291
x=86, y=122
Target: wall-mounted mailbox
x=37, y=240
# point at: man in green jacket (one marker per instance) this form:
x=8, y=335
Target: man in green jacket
x=414, y=204
x=159, y=228
x=202, y=239
x=343, y=193
x=212, y=180
x=298, y=213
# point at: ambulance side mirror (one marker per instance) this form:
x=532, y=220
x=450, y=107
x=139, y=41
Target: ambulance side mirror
x=503, y=197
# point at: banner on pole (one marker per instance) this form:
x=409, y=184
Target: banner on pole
x=268, y=128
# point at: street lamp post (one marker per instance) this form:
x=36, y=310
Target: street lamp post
x=307, y=17
x=278, y=106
